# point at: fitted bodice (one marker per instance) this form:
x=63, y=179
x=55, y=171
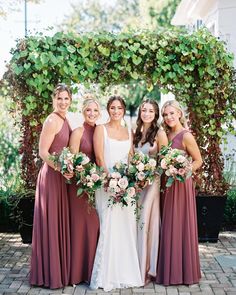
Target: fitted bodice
x=86, y=143
x=115, y=150
x=147, y=149
x=61, y=139
x=177, y=141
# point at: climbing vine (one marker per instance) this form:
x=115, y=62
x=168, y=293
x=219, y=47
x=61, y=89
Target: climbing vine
x=194, y=66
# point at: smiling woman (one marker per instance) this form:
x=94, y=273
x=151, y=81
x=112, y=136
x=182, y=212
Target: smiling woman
x=50, y=260
x=84, y=223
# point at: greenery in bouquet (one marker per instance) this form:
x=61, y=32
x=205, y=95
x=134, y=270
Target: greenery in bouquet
x=141, y=170
x=89, y=177
x=63, y=160
x=121, y=190
x=175, y=163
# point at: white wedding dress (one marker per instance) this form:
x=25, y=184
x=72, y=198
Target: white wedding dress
x=116, y=263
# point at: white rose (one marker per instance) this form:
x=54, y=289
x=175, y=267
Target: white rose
x=152, y=162
x=140, y=167
x=180, y=159
x=85, y=160
x=112, y=183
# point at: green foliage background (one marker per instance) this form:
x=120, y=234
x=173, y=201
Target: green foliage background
x=194, y=66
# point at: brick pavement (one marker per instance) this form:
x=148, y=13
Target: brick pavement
x=218, y=266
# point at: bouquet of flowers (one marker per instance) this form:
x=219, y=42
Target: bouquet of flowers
x=141, y=170
x=64, y=160
x=88, y=175
x=121, y=190
x=176, y=164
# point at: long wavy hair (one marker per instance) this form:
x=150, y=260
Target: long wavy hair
x=174, y=103
x=152, y=130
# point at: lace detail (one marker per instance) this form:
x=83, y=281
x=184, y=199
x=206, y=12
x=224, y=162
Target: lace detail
x=98, y=261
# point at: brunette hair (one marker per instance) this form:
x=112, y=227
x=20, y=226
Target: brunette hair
x=152, y=130
x=61, y=87
x=113, y=98
x=174, y=103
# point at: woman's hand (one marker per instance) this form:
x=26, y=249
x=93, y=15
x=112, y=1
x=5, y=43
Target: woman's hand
x=68, y=176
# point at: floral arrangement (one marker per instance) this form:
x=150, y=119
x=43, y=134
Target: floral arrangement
x=176, y=164
x=141, y=170
x=63, y=161
x=88, y=175
x=121, y=190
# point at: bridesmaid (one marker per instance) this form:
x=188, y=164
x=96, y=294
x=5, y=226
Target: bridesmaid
x=178, y=256
x=50, y=260
x=84, y=222
x=149, y=138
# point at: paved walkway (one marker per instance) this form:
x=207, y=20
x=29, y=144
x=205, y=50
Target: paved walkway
x=218, y=265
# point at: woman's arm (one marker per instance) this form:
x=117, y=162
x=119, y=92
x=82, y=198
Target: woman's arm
x=162, y=139
x=50, y=128
x=191, y=146
x=98, y=142
x=75, y=138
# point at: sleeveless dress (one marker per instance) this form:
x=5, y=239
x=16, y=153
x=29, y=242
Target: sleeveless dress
x=116, y=262
x=84, y=222
x=178, y=261
x=50, y=260
x=149, y=225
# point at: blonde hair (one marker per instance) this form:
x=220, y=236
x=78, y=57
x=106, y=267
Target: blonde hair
x=89, y=98
x=174, y=103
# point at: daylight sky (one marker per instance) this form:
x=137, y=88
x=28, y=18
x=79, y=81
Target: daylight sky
x=40, y=17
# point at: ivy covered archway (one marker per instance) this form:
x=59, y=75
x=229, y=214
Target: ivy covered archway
x=196, y=67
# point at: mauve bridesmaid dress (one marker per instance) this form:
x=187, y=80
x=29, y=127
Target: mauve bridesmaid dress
x=178, y=260
x=50, y=260
x=84, y=222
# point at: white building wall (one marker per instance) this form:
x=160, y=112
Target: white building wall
x=219, y=16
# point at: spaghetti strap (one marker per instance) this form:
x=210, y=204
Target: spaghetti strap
x=59, y=116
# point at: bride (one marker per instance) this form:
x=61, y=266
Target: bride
x=116, y=262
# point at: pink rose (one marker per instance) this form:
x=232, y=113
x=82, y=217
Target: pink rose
x=181, y=171
x=95, y=177
x=123, y=182
x=141, y=176
x=131, y=191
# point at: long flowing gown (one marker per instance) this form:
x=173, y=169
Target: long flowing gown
x=84, y=222
x=178, y=261
x=149, y=225
x=116, y=262
x=50, y=260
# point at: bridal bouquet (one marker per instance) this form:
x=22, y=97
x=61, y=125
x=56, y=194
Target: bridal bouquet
x=141, y=170
x=64, y=160
x=120, y=189
x=176, y=164
x=89, y=177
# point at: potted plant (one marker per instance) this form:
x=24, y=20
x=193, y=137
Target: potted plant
x=212, y=187
x=22, y=213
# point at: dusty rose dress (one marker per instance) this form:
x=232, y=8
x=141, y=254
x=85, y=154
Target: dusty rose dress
x=50, y=260
x=178, y=261
x=84, y=222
